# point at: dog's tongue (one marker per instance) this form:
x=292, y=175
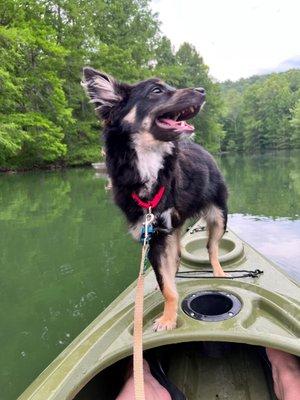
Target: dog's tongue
x=178, y=125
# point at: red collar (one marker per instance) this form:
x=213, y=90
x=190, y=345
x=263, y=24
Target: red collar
x=151, y=203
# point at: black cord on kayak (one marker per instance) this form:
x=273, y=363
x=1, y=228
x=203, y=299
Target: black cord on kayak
x=243, y=273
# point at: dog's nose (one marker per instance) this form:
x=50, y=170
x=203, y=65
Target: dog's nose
x=200, y=90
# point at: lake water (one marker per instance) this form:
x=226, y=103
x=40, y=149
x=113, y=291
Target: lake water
x=65, y=253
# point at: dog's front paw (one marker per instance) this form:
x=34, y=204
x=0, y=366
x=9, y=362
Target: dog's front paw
x=164, y=324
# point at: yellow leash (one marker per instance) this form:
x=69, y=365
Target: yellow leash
x=138, y=371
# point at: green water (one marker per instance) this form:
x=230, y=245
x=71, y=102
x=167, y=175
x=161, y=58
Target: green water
x=65, y=253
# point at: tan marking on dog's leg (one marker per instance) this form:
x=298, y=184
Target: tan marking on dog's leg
x=178, y=237
x=108, y=185
x=168, y=269
x=215, y=225
x=102, y=152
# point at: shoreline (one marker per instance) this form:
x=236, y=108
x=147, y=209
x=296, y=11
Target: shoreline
x=52, y=167
x=57, y=167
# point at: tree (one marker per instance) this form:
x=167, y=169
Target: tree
x=266, y=113
x=44, y=45
x=187, y=69
x=164, y=53
x=295, y=123
x=34, y=109
x=258, y=112
x=232, y=120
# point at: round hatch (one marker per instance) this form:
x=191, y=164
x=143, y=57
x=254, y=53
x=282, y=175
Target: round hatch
x=211, y=305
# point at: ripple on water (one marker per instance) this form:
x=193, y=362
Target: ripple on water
x=277, y=239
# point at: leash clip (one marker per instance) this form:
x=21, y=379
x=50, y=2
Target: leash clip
x=147, y=228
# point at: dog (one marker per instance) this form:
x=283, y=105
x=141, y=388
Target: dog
x=149, y=155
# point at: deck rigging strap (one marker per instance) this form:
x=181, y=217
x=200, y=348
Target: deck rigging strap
x=233, y=274
x=138, y=371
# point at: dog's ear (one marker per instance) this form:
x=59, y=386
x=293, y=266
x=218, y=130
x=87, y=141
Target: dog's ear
x=102, y=89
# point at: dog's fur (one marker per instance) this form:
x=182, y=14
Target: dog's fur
x=142, y=155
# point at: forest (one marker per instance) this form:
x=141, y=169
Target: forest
x=46, y=119
x=262, y=113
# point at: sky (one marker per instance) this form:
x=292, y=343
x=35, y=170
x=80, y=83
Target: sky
x=236, y=38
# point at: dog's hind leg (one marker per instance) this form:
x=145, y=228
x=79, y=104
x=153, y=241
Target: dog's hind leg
x=216, y=219
x=164, y=256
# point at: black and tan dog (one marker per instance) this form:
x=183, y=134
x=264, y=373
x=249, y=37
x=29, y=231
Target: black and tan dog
x=147, y=149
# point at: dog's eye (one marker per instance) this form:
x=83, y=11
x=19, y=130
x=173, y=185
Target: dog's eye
x=156, y=90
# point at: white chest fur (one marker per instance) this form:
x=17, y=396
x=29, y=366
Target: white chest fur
x=150, y=157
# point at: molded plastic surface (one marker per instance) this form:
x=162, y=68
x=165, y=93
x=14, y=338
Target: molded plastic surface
x=194, y=252
x=269, y=317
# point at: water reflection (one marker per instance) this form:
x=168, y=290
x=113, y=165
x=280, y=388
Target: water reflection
x=267, y=185
x=265, y=204
x=65, y=256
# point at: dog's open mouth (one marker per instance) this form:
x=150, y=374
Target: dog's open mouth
x=176, y=120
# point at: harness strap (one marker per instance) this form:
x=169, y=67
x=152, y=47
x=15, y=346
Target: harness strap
x=151, y=203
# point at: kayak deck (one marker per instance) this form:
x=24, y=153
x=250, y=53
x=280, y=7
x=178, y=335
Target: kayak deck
x=269, y=316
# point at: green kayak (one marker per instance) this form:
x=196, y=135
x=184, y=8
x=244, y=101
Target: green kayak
x=216, y=351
